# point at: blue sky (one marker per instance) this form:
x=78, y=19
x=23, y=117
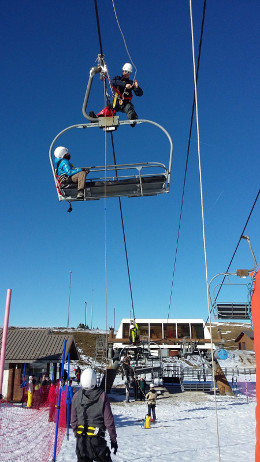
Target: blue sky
x=47, y=49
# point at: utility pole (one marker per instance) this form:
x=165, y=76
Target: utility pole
x=91, y=308
x=68, y=320
x=85, y=314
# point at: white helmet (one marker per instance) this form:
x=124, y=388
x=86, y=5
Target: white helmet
x=88, y=379
x=127, y=67
x=151, y=385
x=60, y=152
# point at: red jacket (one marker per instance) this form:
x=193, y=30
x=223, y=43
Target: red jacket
x=52, y=395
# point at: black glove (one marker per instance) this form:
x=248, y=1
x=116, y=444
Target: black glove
x=114, y=446
x=85, y=169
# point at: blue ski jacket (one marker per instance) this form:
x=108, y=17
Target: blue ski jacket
x=65, y=167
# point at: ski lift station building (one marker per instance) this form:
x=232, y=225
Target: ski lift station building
x=166, y=335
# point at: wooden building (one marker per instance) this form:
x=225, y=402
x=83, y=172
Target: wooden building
x=245, y=340
x=33, y=351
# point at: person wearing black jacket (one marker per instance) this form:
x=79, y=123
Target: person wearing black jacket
x=124, y=88
x=91, y=416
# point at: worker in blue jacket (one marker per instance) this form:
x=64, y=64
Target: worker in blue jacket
x=124, y=88
x=66, y=172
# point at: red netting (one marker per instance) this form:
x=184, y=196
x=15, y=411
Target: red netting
x=26, y=433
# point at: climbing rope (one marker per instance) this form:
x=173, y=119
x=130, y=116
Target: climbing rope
x=102, y=62
x=187, y=158
x=127, y=51
x=124, y=237
x=203, y=219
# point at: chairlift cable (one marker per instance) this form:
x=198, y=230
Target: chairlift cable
x=203, y=219
x=124, y=40
x=235, y=251
x=187, y=156
x=98, y=27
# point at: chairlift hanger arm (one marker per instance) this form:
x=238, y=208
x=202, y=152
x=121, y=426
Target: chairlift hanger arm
x=252, y=252
x=92, y=73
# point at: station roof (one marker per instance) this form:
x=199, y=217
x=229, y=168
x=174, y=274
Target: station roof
x=26, y=345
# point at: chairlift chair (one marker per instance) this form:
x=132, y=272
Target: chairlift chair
x=131, y=180
x=233, y=310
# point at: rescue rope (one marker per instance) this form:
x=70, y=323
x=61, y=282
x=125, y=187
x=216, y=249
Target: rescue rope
x=127, y=51
x=187, y=158
x=106, y=98
x=124, y=237
x=203, y=221
x=120, y=205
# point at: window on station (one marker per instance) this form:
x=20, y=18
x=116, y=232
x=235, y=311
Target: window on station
x=183, y=330
x=169, y=330
x=143, y=330
x=197, y=331
x=126, y=329
x=155, y=331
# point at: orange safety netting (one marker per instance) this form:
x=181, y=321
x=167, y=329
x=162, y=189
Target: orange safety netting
x=255, y=307
x=27, y=434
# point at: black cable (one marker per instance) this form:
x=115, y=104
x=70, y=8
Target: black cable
x=188, y=151
x=123, y=229
x=242, y=234
x=98, y=26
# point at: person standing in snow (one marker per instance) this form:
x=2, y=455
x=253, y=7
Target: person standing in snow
x=136, y=387
x=142, y=386
x=91, y=416
x=30, y=391
x=52, y=400
x=151, y=397
x=127, y=391
x=78, y=373
x=126, y=363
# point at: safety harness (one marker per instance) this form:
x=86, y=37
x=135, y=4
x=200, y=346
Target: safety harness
x=63, y=179
x=90, y=431
x=120, y=97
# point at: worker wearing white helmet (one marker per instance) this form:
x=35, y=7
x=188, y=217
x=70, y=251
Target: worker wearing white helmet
x=151, y=397
x=91, y=416
x=124, y=88
x=67, y=173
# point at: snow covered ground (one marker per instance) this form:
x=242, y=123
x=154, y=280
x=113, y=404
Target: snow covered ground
x=190, y=425
x=187, y=430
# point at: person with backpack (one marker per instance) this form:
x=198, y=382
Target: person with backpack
x=91, y=416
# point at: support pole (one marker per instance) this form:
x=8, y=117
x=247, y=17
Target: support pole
x=4, y=337
x=59, y=400
x=68, y=404
x=68, y=319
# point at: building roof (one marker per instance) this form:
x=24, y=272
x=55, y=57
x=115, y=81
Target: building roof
x=25, y=345
x=248, y=333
